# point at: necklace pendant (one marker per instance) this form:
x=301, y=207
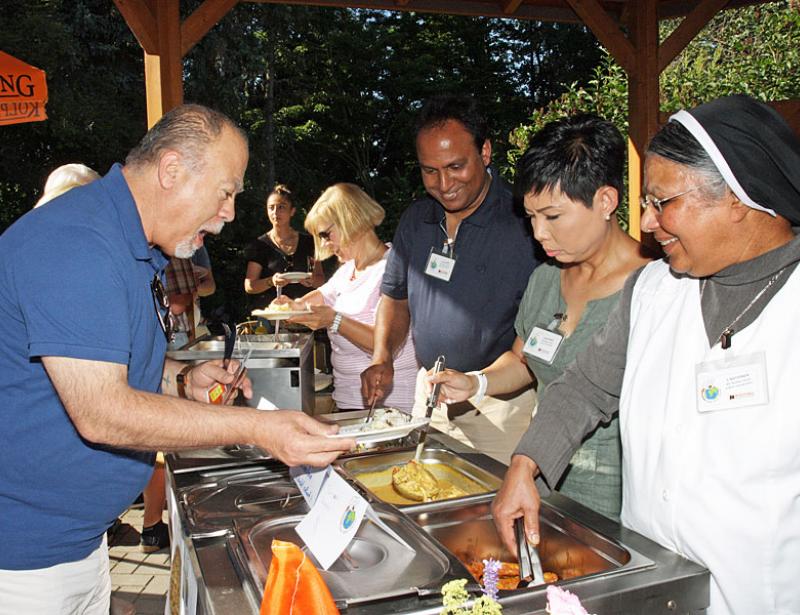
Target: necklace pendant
x=725, y=338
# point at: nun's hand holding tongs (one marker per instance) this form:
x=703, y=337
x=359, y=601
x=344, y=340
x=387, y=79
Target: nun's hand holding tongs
x=530, y=566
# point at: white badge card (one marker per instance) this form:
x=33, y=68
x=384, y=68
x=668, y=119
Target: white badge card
x=737, y=382
x=440, y=266
x=542, y=345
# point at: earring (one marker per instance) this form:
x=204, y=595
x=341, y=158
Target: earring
x=608, y=216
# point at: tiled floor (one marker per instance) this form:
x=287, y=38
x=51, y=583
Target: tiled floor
x=141, y=579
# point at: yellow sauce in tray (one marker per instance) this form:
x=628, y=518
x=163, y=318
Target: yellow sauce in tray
x=451, y=482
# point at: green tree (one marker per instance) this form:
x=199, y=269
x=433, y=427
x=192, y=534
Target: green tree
x=750, y=50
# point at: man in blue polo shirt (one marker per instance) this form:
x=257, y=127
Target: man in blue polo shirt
x=460, y=262
x=87, y=392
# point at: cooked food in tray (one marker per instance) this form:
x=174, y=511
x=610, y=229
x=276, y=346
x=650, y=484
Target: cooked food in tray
x=508, y=574
x=414, y=482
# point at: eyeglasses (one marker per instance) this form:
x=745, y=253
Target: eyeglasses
x=659, y=204
x=161, y=302
x=326, y=234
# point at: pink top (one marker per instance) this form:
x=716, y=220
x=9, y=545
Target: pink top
x=358, y=299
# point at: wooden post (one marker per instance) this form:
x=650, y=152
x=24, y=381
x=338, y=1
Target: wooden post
x=156, y=24
x=643, y=100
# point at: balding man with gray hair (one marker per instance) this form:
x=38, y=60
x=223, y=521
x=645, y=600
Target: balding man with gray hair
x=88, y=393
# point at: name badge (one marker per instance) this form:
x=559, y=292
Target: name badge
x=440, y=266
x=542, y=345
x=727, y=384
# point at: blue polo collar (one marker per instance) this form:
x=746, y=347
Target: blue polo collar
x=123, y=203
x=481, y=216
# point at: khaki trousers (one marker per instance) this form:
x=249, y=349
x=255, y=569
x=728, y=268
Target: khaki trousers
x=493, y=428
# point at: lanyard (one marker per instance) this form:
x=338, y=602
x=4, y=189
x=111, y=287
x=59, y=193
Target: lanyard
x=449, y=247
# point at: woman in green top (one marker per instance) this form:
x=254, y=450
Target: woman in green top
x=570, y=179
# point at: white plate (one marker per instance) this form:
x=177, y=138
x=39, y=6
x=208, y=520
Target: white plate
x=295, y=276
x=322, y=381
x=379, y=435
x=278, y=314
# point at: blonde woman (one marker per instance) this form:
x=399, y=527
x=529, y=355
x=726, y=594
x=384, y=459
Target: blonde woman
x=343, y=222
x=65, y=178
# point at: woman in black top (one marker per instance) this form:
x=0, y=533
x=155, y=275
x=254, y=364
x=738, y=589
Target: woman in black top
x=277, y=252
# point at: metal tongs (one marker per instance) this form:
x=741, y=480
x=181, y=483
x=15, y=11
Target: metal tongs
x=430, y=405
x=230, y=343
x=530, y=566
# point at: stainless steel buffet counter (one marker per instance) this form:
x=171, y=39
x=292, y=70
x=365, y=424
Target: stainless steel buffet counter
x=225, y=516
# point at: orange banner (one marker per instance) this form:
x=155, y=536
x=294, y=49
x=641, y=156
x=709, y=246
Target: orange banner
x=23, y=91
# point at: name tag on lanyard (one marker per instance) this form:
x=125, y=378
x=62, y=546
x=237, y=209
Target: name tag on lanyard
x=440, y=265
x=730, y=383
x=543, y=344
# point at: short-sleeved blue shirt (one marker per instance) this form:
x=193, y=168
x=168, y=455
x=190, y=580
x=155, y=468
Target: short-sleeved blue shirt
x=470, y=318
x=74, y=282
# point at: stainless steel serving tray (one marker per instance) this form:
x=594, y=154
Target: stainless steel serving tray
x=460, y=472
x=374, y=567
x=567, y=548
x=287, y=345
x=211, y=507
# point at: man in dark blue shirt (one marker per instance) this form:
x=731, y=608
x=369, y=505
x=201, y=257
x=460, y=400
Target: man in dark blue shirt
x=460, y=262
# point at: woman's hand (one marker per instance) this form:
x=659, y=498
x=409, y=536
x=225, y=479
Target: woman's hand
x=279, y=281
x=321, y=317
x=455, y=385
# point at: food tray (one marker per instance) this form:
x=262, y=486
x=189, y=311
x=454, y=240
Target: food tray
x=373, y=473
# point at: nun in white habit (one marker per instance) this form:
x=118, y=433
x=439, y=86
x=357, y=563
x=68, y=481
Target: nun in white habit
x=701, y=361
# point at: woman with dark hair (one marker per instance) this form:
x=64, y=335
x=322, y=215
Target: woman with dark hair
x=280, y=250
x=700, y=360
x=571, y=180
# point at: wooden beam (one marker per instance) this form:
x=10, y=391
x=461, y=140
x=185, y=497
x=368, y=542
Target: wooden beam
x=643, y=103
x=789, y=109
x=606, y=30
x=687, y=30
x=204, y=17
x=510, y=6
x=141, y=21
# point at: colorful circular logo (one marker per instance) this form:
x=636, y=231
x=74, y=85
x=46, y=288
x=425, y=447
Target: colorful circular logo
x=710, y=393
x=349, y=517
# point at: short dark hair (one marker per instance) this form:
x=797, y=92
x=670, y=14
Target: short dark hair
x=577, y=155
x=189, y=129
x=675, y=143
x=464, y=109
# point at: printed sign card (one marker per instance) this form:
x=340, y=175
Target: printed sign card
x=333, y=520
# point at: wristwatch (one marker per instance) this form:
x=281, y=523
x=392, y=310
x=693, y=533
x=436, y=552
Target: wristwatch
x=182, y=381
x=337, y=321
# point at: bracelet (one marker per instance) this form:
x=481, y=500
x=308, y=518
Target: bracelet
x=483, y=383
x=337, y=321
x=182, y=380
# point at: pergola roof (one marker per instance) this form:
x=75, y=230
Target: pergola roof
x=628, y=29
x=539, y=10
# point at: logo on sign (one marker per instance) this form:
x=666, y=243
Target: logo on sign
x=709, y=393
x=349, y=517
